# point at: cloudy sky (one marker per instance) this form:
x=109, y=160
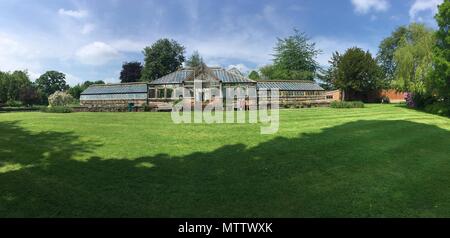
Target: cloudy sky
x=89, y=40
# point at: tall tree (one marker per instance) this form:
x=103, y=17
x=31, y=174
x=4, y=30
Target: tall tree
x=294, y=58
x=269, y=72
x=52, y=81
x=163, y=57
x=131, y=72
x=440, y=76
x=3, y=87
x=12, y=84
x=86, y=84
x=330, y=75
x=19, y=80
x=386, y=50
x=194, y=60
x=76, y=91
x=30, y=95
x=254, y=75
x=357, y=72
x=413, y=59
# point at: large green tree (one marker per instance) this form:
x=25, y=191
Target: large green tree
x=357, y=73
x=269, y=72
x=163, y=57
x=254, y=75
x=52, y=81
x=330, y=75
x=294, y=58
x=386, y=50
x=30, y=95
x=413, y=59
x=131, y=72
x=440, y=76
x=194, y=60
x=12, y=85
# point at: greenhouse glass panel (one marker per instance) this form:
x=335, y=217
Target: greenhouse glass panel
x=151, y=93
x=131, y=96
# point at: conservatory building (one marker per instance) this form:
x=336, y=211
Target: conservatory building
x=202, y=84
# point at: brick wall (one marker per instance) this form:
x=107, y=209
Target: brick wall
x=393, y=95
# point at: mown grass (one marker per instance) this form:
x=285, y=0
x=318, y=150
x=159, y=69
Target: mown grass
x=378, y=161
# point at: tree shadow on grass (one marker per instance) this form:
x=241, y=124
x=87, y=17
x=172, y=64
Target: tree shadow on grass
x=30, y=162
x=358, y=169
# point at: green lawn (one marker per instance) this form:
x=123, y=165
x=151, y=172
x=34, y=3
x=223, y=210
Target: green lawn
x=378, y=161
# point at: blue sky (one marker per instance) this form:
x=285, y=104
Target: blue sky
x=89, y=40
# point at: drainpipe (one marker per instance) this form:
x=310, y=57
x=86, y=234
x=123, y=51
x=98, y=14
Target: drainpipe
x=147, y=101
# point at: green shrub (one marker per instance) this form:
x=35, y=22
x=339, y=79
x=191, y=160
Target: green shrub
x=20, y=109
x=439, y=108
x=74, y=103
x=421, y=101
x=147, y=108
x=59, y=99
x=345, y=104
x=57, y=109
x=13, y=103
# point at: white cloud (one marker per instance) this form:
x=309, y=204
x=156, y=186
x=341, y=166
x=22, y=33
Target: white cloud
x=241, y=38
x=19, y=53
x=126, y=45
x=34, y=75
x=219, y=50
x=111, y=80
x=97, y=53
x=241, y=67
x=9, y=46
x=420, y=6
x=73, y=13
x=16, y=55
x=364, y=6
x=87, y=28
x=73, y=80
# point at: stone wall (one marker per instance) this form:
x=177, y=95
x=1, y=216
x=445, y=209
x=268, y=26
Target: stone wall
x=112, y=109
